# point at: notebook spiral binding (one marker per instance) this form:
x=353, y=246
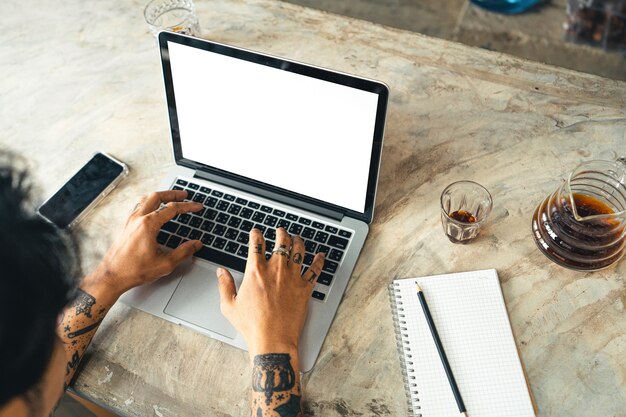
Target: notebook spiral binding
x=404, y=351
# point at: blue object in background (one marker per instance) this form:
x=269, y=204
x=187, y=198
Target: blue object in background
x=506, y=6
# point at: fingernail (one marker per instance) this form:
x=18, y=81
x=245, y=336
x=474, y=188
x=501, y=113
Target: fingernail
x=198, y=245
x=220, y=271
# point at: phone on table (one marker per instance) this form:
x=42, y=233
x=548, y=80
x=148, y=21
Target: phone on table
x=81, y=193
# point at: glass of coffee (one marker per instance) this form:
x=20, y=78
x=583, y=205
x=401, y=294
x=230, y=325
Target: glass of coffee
x=172, y=15
x=465, y=205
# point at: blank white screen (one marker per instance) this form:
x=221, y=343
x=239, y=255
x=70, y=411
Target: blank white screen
x=291, y=131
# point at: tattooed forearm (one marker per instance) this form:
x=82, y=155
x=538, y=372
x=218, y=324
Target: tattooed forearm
x=77, y=327
x=275, y=386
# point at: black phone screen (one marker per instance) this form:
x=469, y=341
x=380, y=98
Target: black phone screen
x=83, y=188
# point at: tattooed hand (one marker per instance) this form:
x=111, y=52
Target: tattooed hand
x=270, y=308
x=135, y=258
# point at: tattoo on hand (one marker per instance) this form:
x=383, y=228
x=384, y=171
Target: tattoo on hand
x=297, y=258
x=259, y=248
x=83, y=303
x=265, y=379
x=313, y=276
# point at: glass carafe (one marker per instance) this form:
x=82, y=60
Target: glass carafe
x=581, y=225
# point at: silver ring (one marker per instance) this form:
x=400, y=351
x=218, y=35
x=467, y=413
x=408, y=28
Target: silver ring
x=282, y=252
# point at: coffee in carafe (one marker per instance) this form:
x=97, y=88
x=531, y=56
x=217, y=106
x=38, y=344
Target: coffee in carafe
x=582, y=224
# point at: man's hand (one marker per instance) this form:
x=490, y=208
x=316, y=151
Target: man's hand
x=270, y=308
x=135, y=258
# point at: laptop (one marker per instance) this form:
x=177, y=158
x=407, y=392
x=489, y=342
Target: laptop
x=264, y=142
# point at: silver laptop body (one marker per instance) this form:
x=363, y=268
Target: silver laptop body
x=218, y=154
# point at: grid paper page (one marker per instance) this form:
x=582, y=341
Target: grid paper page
x=471, y=319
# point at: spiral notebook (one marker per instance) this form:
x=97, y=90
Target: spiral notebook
x=472, y=321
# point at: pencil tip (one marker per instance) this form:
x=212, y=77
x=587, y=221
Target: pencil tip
x=417, y=286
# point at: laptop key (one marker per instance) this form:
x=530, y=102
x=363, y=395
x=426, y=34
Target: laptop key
x=304, y=221
x=331, y=229
x=222, y=218
x=279, y=213
x=270, y=234
x=335, y=255
x=310, y=246
x=170, y=227
x=222, y=205
x=323, y=249
x=321, y=237
x=345, y=233
x=318, y=295
x=284, y=224
x=207, y=225
x=184, y=218
x=243, y=251
x=207, y=239
x=295, y=229
x=177, y=188
x=318, y=225
x=195, y=234
x=211, y=201
x=292, y=217
x=162, y=237
x=183, y=231
x=205, y=190
x=231, y=247
x=219, y=243
x=258, y=217
x=190, y=195
x=269, y=246
x=199, y=198
x=217, y=193
x=210, y=214
x=338, y=242
x=229, y=197
x=200, y=212
x=325, y=279
x=246, y=226
x=173, y=242
x=219, y=230
x=246, y=213
x=253, y=205
x=193, y=186
x=308, y=258
x=260, y=227
x=225, y=259
x=231, y=234
x=243, y=238
x=330, y=266
x=270, y=221
x=308, y=233
x=241, y=201
x=234, y=221
x=234, y=209
x=181, y=182
x=266, y=209
x=195, y=221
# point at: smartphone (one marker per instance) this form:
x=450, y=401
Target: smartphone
x=78, y=196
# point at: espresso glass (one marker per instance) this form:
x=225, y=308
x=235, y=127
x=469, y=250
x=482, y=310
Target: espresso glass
x=465, y=205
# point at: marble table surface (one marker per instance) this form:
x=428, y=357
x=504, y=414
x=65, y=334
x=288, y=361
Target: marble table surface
x=81, y=76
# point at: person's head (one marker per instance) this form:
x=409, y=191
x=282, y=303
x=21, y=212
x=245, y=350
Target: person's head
x=38, y=266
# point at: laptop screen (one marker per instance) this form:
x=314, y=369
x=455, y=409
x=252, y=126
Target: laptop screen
x=292, y=131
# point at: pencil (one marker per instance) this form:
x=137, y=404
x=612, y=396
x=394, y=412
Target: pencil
x=442, y=353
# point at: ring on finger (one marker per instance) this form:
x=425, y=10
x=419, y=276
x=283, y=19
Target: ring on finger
x=282, y=252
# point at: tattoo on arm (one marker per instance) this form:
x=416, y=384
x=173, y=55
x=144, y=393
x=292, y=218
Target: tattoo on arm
x=83, y=303
x=275, y=386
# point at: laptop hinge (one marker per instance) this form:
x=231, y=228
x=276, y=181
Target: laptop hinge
x=333, y=214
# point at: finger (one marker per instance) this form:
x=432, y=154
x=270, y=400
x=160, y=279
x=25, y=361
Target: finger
x=297, y=253
x=315, y=269
x=154, y=200
x=183, y=252
x=256, y=248
x=170, y=210
x=283, y=242
x=226, y=285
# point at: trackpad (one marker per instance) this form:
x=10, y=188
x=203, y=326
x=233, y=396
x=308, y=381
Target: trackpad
x=197, y=301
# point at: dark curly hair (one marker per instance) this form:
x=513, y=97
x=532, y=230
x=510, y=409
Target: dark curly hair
x=38, y=270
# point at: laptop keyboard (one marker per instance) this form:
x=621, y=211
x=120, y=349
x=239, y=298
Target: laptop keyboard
x=224, y=226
